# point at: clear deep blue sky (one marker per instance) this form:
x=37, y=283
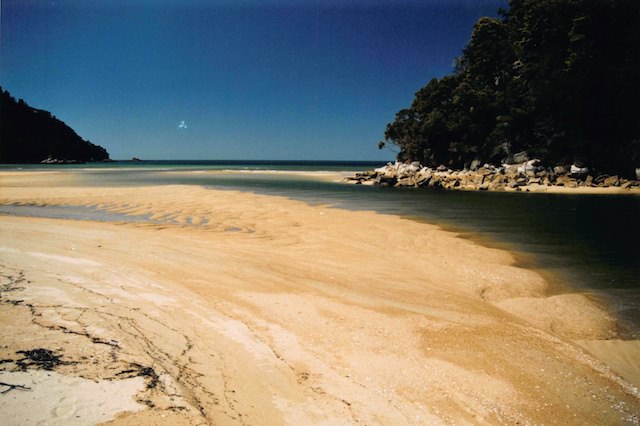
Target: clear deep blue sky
x=196, y=79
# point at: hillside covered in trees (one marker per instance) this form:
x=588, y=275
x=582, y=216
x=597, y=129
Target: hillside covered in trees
x=30, y=135
x=555, y=78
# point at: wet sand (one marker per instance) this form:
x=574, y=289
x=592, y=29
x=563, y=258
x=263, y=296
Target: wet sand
x=237, y=308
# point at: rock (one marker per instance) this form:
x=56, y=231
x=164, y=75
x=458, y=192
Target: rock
x=51, y=160
x=405, y=182
x=510, y=169
x=404, y=171
x=450, y=184
x=576, y=171
x=495, y=186
x=638, y=173
x=351, y=179
x=477, y=179
x=520, y=157
x=423, y=176
x=521, y=181
x=498, y=178
x=566, y=181
x=487, y=177
x=386, y=181
x=435, y=182
x=599, y=179
x=560, y=170
x=484, y=171
x=383, y=169
x=474, y=165
x=517, y=158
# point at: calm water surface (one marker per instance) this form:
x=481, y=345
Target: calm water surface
x=587, y=242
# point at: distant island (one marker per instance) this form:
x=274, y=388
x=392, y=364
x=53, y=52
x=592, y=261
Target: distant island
x=30, y=135
x=552, y=80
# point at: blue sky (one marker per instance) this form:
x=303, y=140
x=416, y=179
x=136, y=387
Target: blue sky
x=196, y=79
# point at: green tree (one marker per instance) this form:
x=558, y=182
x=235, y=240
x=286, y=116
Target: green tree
x=557, y=78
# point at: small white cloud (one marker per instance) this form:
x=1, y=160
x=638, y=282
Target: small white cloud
x=182, y=125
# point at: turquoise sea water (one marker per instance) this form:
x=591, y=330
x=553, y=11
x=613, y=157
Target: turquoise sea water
x=590, y=243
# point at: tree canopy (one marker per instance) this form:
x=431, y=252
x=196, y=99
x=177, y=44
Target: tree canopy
x=555, y=78
x=30, y=135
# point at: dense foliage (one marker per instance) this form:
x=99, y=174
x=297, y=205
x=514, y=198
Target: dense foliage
x=29, y=135
x=559, y=79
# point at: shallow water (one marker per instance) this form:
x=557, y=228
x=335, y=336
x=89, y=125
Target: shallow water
x=586, y=242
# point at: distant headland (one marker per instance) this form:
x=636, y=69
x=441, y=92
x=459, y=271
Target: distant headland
x=30, y=135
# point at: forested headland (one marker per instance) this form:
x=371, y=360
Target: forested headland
x=558, y=79
x=30, y=135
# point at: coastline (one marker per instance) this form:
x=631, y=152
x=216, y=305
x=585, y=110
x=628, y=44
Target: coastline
x=529, y=176
x=250, y=308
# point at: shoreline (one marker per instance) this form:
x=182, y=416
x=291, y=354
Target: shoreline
x=274, y=311
x=526, y=177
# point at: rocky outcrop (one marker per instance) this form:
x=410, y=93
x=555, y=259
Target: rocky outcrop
x=488, y=177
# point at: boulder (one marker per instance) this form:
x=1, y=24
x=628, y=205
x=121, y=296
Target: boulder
x=510, y=169
x=611, y=181
x=498, y=178
x=494, y=186
x=484, y=171
x=517, y=158
x=600, y=179
x=576, y=171
x=560, y=170
x=566, y=181
x=435, y=182
x=407, y=181
x=383, y=169
x=521, y=181
x=405, y=171
x=475, y=164
x=638, y=173
x=386, y=181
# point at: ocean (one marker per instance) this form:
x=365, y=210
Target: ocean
x=585, y=243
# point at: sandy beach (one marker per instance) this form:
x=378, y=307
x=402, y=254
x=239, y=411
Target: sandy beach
x=224, y=307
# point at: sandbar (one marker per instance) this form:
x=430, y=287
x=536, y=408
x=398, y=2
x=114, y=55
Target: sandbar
x=227, y=307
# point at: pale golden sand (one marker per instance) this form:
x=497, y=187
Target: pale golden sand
x=261, y=310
